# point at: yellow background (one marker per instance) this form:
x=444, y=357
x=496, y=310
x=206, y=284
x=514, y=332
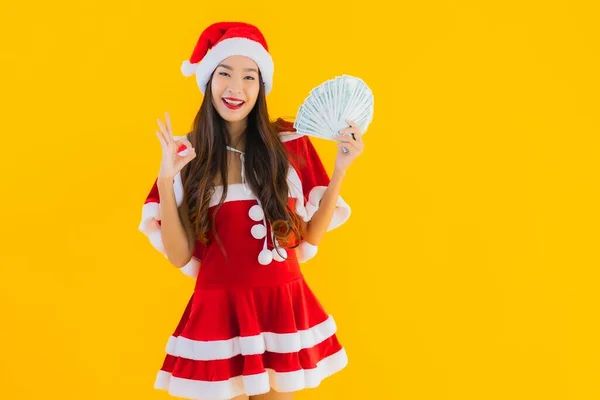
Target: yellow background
x=469, y=266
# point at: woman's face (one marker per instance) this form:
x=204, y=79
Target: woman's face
x=235, y=85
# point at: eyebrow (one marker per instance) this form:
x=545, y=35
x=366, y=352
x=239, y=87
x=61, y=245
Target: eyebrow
x=231, y=69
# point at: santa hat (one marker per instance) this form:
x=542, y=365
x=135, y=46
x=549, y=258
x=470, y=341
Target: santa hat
x=226, y=39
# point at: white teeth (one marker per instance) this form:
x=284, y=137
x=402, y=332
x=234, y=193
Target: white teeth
x=233, y=103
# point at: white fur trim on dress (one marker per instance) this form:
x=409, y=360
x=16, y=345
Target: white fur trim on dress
x=228, y=48
x=246, y=345
x=253, y=385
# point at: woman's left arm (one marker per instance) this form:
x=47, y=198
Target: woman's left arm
x=350, y=139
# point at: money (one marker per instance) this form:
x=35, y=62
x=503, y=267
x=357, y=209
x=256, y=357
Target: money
x=324, y=111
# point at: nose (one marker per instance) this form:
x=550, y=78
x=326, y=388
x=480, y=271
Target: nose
x=234, y=89
x=235, y=86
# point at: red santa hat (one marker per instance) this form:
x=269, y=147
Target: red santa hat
x=226, y=39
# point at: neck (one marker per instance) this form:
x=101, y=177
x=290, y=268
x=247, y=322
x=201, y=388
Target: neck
x=237, y=132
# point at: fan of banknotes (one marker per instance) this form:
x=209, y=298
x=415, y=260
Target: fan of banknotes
x=325, y=110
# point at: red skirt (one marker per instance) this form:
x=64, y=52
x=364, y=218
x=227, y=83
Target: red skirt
x=248, y=340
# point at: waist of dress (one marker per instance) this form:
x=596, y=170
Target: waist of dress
x=232, y=275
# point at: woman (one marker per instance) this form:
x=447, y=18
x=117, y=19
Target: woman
x=238, y=203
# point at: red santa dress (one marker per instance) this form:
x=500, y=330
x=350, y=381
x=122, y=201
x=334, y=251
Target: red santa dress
x=252, y=322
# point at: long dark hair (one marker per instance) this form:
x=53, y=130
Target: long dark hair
x=266, y=163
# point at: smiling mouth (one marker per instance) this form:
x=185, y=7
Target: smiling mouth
x=233, y=104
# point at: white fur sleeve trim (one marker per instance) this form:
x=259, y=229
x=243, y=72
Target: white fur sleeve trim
x=305, y=251
x=192, y=268
x=150, y=227
x=342, y=209
x=308, y=209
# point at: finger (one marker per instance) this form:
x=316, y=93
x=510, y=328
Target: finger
x=163, y=130
x=356, y=136
x=351, y=123
x=185, y=142
x=168, y=119
x=352, y=132
x=347, y=145
x=352, y=145
x=162, y=134
x=182, y=162
x=345, y=149
x=350, y=150
x=350, y=135
x=359, y=135
x=347, y=131
x=354, y=128
x=161, y=139
x=348, y=141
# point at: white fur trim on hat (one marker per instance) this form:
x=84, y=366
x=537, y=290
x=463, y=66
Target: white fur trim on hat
x=227, y=48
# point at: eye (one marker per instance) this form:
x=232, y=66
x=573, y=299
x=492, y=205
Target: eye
x=249, y=77
x=223, y=74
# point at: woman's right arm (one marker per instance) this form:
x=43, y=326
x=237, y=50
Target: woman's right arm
x=177, y=238
x=177, y=235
